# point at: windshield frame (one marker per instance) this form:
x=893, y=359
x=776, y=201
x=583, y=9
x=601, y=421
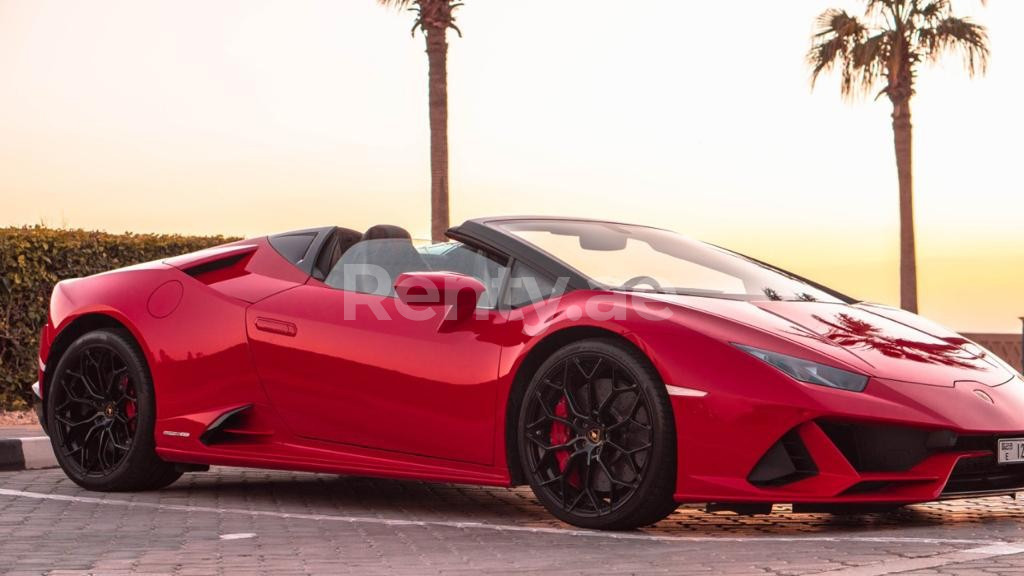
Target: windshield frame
x=502, y=226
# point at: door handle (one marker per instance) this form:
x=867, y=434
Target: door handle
x=276, y=326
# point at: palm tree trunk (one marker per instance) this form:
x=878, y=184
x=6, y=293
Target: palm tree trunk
x=437, y=56
x=902, y=138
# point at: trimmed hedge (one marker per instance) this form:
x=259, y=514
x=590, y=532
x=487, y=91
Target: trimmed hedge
x=33, y=259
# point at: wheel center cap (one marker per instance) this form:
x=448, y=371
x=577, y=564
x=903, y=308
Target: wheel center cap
x=594, y=435
x=108, y=410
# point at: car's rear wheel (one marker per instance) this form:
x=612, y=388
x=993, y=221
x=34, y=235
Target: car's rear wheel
x=596, y=437
x=101, y=412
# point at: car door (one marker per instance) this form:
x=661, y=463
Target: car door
x=355, y=367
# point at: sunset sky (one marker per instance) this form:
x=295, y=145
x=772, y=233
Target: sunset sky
x=245, y=117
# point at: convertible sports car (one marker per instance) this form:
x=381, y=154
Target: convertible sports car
x=617, y=369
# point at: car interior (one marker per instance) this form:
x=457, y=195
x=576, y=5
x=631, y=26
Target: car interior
x=339, y=241
x=353, y=261
x=336, y=255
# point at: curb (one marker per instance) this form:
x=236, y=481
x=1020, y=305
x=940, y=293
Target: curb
x=26, y=453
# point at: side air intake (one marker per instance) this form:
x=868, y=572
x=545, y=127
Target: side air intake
x=214, y=264
x=233, y=427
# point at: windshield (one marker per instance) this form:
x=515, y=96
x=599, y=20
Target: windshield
x=638, y=258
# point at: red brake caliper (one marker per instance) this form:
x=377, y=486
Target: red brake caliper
x=130, y=409
x=560, y=435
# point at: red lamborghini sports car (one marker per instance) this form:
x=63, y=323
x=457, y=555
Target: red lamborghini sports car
x=617, y=369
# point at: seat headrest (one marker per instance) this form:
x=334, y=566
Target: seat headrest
x=386, y=231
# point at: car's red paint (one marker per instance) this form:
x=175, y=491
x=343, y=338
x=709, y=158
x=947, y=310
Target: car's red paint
x=402, y=385
x=334, y=387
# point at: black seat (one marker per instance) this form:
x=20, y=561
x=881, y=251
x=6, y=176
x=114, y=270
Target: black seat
x=340, y=241
x=387, y=232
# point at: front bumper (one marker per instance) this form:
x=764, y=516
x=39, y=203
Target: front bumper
x=857, y=462
x=897, y=444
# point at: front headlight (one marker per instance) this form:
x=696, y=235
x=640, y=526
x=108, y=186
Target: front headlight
x=809, y=372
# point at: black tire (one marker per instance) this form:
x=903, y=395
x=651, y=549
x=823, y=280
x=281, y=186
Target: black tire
x=596, y=437
x=101, y=410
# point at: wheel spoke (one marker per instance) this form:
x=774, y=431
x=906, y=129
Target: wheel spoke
x=631, y=451
x=533, y=425
x=115, y=382
x=588, y=489
x=539, y=442
x=89, y=364
x=629, y=460
x=630, y=416
x=550, y=416
x=637, y=398
x=612, y=395
x=575, y=501
x=552, y=480
x=73, y=424
x=102, y=447
x=85, y=446
x=548, y=382
x=593, y=371
x=592, y=396
x=91, y=386
x=81, y=378
x=125, y=433
x=571, y=465
x=570, y=394
x=612, y=478
x=67, y=403
x=589, y=379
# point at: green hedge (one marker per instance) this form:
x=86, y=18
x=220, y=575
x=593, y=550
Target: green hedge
x=33, y=259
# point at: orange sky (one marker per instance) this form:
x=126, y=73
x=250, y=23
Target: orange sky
x=251, y=116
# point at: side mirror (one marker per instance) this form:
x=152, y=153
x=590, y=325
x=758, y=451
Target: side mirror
x=425, y=289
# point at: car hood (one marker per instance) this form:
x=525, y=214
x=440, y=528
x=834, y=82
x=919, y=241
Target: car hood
x=893, y=345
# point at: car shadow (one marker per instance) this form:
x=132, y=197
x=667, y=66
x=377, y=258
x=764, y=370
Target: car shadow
x=360, y=497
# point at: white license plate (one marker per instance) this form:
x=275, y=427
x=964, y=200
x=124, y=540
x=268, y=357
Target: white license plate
x=1010, y=450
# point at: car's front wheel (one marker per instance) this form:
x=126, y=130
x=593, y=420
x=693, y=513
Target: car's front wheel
x=596, y=437
x=101, y=411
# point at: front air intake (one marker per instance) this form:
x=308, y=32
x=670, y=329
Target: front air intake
x=983, y=474
x=883, y=448
x=784, y=463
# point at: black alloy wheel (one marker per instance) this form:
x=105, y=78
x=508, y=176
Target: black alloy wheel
x=596, y=437
x=101, y=411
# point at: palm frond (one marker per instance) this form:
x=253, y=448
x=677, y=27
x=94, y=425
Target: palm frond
x=890, y=42
x=837, y=38
x=869, y=61
x=893, y=12
x=933, y=11
x=953, y=34
x=873, y=5
x=399, y=4
x=430, y=14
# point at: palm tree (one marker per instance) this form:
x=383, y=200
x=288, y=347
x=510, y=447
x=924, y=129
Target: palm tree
x=434, y=18
x=885, y=48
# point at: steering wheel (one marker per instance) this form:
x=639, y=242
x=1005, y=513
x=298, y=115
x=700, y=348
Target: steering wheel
x=639, y=280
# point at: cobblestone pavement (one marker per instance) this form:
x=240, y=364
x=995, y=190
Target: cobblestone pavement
x=231, y=521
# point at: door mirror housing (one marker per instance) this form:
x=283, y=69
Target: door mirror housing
x=428, y=289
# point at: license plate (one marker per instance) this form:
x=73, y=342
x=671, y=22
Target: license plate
x=1010, y=450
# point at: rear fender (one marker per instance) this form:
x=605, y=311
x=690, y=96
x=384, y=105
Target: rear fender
x=192, y=337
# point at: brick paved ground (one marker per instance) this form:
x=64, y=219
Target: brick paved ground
x=289, y=523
